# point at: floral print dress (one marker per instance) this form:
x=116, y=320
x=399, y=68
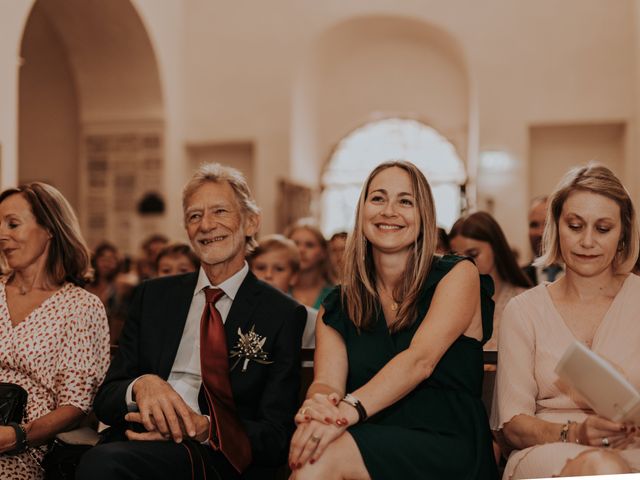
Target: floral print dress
x=59, y=354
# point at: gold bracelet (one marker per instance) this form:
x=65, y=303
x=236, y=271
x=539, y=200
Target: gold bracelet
x=564, y=433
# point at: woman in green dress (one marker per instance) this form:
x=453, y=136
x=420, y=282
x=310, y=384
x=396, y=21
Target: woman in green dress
x=398, y=364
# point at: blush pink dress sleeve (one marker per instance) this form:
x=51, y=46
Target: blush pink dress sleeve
x=59, y=354
x=507, y=293
x=533, y=337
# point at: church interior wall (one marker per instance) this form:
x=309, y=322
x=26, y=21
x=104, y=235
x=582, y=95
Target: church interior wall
x=233, y=72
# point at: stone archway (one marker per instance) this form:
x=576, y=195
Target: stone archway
x=367, y=68
x=91, y=118
x=363, y=149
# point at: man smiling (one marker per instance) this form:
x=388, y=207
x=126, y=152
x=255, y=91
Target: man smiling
x=217, y=341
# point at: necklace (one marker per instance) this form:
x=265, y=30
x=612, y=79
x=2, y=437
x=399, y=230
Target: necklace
x=22, y=290
x=393, y=305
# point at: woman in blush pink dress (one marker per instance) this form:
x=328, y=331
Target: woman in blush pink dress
x=54, y=335
x=591, y=228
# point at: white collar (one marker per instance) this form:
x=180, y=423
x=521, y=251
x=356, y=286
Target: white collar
x=230, y=286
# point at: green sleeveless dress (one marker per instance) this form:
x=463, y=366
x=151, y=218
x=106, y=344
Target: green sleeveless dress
x=439, y=430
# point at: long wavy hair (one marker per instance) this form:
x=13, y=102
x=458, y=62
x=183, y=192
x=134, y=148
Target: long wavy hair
x=359, y=294
x=483, y=227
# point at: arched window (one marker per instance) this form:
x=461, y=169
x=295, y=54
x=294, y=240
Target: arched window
x=391, y=139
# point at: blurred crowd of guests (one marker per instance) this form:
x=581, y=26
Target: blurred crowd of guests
x=305, y=264
x=116, y=275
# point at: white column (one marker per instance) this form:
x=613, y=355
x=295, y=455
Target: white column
x=13, y=17
x=164, y=22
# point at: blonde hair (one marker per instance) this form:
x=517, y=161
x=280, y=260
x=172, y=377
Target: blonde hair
x=218, y=173
x=69, y=258
x=275, y=242
x=602, y=181
x=359, y=294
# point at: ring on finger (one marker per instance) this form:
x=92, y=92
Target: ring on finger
x=315, y=439
x=303, y=411
x=605, y=442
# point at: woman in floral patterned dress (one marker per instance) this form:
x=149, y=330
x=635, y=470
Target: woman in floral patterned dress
x=54, y=337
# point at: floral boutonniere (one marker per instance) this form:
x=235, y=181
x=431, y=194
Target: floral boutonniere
x=249, y=347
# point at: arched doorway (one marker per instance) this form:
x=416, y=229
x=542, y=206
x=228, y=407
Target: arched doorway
x=367, y=68
x=91, y=113
x=390, y=139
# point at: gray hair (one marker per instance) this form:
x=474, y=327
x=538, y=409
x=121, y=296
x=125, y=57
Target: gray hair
x=218, y=173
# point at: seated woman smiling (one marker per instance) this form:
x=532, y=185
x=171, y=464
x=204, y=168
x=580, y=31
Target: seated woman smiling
x=591, y=228
x=400, y=342
x=54, y=335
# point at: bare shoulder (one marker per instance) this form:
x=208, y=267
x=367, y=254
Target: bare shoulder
x=463, y=273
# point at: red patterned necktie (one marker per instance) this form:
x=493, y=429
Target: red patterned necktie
x=226, y=432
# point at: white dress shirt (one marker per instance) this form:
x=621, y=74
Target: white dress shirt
x=309, y=334
x=185, y=376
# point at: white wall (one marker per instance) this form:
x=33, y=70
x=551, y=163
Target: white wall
x=554, y=149
x=376, y=67
x=13, y=16
x=230, y=72
x=529, y=62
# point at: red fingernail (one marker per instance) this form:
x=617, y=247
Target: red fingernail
x=311, y=461
x=292, y=466
x=307, y=417
x=327, y=420
x=299, y=465
x=340, y=422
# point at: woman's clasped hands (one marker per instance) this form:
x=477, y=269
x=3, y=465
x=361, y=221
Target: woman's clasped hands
x=321, y=419
x=600, y=432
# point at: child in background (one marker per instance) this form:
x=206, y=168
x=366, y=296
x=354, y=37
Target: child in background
x=175, y=259
x=276, y=261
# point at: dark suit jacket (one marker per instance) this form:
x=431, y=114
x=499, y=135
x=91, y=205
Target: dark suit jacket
x=266, y=396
